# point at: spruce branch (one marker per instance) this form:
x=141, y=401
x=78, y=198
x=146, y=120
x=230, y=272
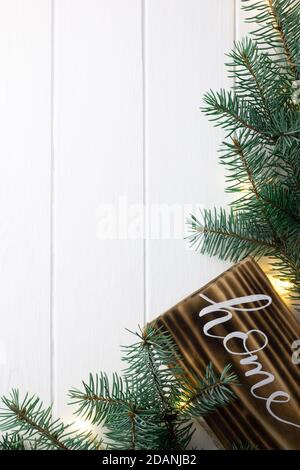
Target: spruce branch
x=273, y=202
x=153, y=364
x=98, y=399
x=240, y=152
x=243, y=446
x=143, y=409
x=253, y=71
x=147, y=410
x=277, y=30
x=229, y=236
x=278, y=27
x=228, y=111
x=28, y=419
x=205, y=394
x=12, y=442
x=261, y=151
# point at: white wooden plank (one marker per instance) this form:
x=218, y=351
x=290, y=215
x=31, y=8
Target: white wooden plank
x=242, y=27
x=98, y=159
x=25, y=51
x=185, y=45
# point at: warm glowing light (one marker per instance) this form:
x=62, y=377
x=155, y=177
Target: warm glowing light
x=83, y=425
x=245, y=187
x=79, y=425
x=183, y=402
x=282, y=287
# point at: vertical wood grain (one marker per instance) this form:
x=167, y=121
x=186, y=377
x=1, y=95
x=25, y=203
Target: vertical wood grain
x=242, y=27
x=98, y=285
x=129, y=76
x=25, y=96
x=186, y=42
x=186, y=45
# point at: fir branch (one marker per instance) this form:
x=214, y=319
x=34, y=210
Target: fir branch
x=97, y=401
x=153, y=363
x=277, y=30
x=244, y=446
x=208, y=393
x=266, y=198
x=228, y=111
x=253, y=72
x=240, y=152
x=28, y=419
x=282, y=36
x=132, y=417
x=262, y=149
x=143, y=409
x=12, y=442
x=229, y=236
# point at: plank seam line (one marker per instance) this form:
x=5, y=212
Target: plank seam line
x=145, y=181
x=52, y=216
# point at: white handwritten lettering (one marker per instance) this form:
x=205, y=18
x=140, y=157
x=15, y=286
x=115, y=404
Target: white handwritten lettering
x=249, y=356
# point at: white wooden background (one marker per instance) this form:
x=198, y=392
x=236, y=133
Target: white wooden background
x=99, y=99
